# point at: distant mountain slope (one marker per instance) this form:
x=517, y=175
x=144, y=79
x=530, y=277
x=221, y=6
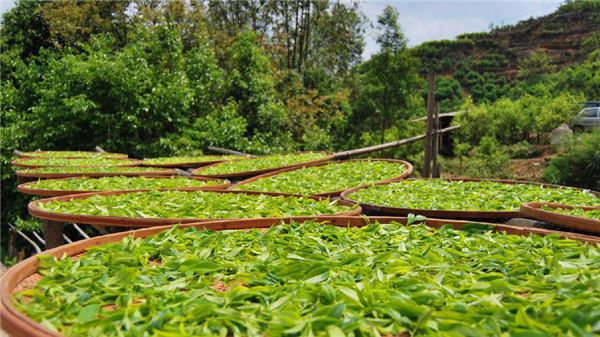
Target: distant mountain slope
x=565, y=36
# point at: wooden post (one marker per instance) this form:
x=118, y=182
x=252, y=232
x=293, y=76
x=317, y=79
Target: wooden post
x=436, y=142
x=53, y=233
x=429, y=134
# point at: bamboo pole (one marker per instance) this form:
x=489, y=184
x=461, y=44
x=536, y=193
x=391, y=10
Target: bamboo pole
x=227, y=151
x=385, y=146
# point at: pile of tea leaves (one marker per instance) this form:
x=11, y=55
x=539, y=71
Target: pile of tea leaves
x=72, y=154
x=333, y=177
x=196, y=204
x=312, y=279
x=186, y=159
x=438, y=194
x=99, y=161
x=260, y=163
x=93, y=169
x=120, y=183
x=592, y=214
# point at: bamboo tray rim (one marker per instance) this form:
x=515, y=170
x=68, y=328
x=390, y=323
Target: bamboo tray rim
x=463, y=214
x=197, y=172
x=534, y=210
x=409, y=170
x=20, y=325
x=119, y=221
x=25, y=189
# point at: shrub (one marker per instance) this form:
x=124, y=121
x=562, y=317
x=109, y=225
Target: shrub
x=579, y=165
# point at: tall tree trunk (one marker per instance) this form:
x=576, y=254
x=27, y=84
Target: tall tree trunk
x=295, y=48
x=288, y=37
x=301, y=24
x=306, y=37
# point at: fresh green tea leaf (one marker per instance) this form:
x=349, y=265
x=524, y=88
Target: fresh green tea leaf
x=99, y=161
x=197, y=204
x=438, y=194
x=120, y=183
x=384, y=280
x=73, y=154
x=187, y=159
x=333, y=177
x=88, y=313
x=260, y=163
x=91, y=169
x=591, y=214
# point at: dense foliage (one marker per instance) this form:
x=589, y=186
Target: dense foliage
x=316, y=280
x=579, y=165
x=197, y=204
x=584, y=213
x=186, y=159
x=260, y=163
x=100, y=161
x=72, y=154
x=333, y=177
x=437, y=194
x=119, y=183
x=510, y=121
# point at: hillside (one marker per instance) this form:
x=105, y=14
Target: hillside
x=551, y=42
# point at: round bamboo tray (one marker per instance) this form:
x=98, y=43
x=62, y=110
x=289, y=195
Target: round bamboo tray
x=26, y=189
x=27, y=176
x=534, y=210
x=445, y=214
x=108, y=155
x=127, y=162
x=25, y=274
x=248, y=174
x=119, y=221
x=406, y=173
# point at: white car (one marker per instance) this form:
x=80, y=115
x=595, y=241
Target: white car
x=587, y=119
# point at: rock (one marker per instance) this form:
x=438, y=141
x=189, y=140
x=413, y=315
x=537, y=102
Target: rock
x=560, y=134
x=522, y=222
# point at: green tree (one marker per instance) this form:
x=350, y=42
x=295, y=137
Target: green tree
x=391, y=39
x=388, y=79
x=24, y=29
x=534, y=66
x=251, y=85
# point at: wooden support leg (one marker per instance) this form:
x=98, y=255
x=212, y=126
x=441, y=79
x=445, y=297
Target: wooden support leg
x=53, y=233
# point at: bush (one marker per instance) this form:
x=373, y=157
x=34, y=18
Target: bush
x=579, y=165
x=521, y=149
x=511, y=121
x=488, y=160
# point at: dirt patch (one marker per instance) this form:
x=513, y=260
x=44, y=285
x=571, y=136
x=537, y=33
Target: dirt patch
x=529, y=169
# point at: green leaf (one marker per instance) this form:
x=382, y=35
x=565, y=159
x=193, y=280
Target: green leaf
x=88, y=313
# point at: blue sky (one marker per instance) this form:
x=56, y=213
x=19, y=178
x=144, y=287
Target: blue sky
x=425, y=20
